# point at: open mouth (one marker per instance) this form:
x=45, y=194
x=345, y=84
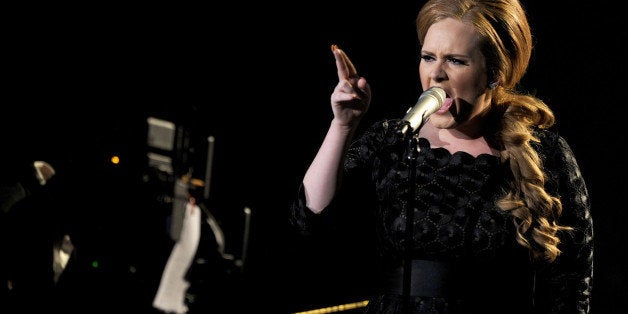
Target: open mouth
x=445, y=107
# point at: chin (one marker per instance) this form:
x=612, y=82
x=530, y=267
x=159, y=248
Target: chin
x=443, y=121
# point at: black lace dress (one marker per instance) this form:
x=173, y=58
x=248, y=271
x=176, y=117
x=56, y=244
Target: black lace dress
x=463, y=254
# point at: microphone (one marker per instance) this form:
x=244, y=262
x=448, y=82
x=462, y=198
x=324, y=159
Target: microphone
x=429, y=102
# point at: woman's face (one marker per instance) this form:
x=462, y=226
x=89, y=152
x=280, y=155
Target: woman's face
x=451, y=59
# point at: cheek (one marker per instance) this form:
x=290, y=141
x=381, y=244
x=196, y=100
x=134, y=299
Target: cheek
x=480, y=81
x=424, y=76
x=471, y=94
x=472, y=85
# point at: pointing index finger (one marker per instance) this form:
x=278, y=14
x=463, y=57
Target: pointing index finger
x=345, y=67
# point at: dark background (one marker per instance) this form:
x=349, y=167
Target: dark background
x=81, y=81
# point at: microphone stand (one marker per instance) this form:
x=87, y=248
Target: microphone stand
x=411, y=157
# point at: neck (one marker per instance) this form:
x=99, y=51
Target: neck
x=455, y=140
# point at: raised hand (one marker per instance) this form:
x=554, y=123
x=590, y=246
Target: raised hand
x=352, y=96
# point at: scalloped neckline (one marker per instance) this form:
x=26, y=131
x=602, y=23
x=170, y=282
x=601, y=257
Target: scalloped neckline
x=425, y=143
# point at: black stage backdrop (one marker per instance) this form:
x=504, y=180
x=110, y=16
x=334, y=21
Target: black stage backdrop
x=80, y=83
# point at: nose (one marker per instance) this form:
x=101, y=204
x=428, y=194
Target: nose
x=437, y=72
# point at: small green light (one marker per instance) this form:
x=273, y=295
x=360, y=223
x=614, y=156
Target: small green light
x=95, y=264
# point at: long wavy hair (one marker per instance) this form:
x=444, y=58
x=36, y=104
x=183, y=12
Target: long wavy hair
x=507, y=46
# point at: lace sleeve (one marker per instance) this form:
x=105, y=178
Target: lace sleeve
x=356, y=174
x=565, y=285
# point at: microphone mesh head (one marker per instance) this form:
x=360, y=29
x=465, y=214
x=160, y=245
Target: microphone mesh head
x=438, y=93
x=429, y=102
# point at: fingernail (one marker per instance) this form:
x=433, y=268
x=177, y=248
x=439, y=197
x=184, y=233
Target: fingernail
x=334, y=47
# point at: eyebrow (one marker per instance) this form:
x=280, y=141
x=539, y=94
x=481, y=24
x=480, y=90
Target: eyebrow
x=449, y=55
